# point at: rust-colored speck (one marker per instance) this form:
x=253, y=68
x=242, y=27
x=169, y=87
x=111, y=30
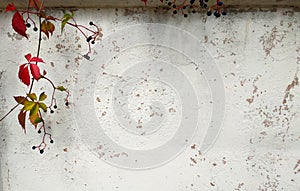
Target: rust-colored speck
x=292, y=85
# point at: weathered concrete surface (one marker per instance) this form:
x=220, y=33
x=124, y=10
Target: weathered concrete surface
x=257, y=54
x=150, y=3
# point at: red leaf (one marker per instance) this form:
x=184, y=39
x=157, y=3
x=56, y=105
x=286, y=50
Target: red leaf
x=24, y=74
x=36, y=59
x=21, y=119
x=18, y=24
x=10, y=7
x=35, y=71
x=28, y=57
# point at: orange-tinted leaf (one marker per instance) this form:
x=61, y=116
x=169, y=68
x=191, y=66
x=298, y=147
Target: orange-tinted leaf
x=44, y=28
x=37, y=4
x=21, y=119
x=47, y=27
x=10, y=7
x=18, y=24
x=33, y=118
x=35, y=71
x=20, y=99
x=24, y=74
x=50, y=27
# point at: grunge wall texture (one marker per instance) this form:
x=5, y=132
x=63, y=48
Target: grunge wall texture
x=257, y=52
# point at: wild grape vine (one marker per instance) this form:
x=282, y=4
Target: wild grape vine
x=34, y=105
x=185, y=7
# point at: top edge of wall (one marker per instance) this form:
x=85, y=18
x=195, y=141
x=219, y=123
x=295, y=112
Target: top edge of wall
x=152, y=3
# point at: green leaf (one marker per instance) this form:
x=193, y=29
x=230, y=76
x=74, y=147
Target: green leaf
x=20, y=99
x=34, y=110
x=28, y=105
x=37, y=120
x=43, y=106
x=61, y=88
x=32, y=96
x=42, y=97
x=66, y=19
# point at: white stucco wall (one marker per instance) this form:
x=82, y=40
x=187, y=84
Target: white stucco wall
x=257, y=147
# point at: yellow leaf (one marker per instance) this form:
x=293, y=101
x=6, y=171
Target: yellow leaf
x=42, y=97
x=43, y=106
x=34, y=110
x=32, y=96
x=28, y=105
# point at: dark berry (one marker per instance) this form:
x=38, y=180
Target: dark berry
x=185, y=15
x=28, y=25
x=51, y=141
x=55, y=106
x=217, y=14
x=67, y=103
x=39, y=131
x=184, y=7
x=91, y=23
x=51, y=111
x=194, y=11
x=174, y=12
x=93, y=42
x=205, y=5
x=192, y=1
x=89, y=39
x=35, y=29
x=209, y=13
x=174, y=6
x=220, y=3
x=206, y=1
x=169, y=3
x=33, y=147
x=42, y=151
x=224, y=13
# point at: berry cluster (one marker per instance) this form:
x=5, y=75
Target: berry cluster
x=218, y=8
x=191, y=6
